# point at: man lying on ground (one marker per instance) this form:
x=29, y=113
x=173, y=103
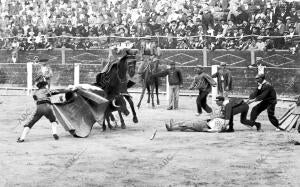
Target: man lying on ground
x=222, y=122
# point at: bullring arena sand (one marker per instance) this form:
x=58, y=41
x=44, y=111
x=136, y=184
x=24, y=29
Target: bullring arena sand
x=129, y=158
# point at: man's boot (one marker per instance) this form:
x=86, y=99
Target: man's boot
x=24, y=134
x=54, y=130
x=258, y=126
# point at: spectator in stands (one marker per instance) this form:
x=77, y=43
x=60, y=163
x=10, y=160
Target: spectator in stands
x=54, y=17
x=14, y=58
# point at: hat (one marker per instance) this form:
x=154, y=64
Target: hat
x=43, y=60
x=172, y=63
x=258, y=76
x=252, y=21
x=288, y=17
x=36, y=57
x=199, y=67
x=173, y=21
x=223, y=64
x=220, y=98
x=259, y=58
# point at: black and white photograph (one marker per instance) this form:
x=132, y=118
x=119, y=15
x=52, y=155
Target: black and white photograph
x=149, y=93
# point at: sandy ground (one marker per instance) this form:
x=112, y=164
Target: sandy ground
x=129, y=158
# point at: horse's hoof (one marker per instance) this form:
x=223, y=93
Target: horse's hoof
x=135, y=119
x=123, y=127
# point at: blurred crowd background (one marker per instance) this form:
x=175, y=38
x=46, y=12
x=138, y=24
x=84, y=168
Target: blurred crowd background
x=172, y=24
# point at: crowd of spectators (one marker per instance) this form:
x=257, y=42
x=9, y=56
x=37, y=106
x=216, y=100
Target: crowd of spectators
x=181, y=24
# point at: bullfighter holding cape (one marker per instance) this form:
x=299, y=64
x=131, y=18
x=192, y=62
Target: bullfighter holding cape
x=83, y=106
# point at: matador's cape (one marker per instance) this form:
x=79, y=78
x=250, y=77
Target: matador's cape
x=81, y=110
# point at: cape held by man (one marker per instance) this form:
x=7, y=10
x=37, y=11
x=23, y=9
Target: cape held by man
x=81, y=109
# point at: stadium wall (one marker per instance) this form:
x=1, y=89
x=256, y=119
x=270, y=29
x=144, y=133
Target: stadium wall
x=282, y=68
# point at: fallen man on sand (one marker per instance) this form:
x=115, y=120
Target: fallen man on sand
x=222, y=122
x=214, y=125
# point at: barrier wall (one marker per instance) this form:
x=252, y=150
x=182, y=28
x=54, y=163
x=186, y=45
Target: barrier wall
x=282, y=68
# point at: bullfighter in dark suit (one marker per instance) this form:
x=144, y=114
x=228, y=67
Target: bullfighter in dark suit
x=265, y=93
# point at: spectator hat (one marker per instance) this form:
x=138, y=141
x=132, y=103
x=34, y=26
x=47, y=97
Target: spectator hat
x=36, y=57
x=252, y=21
x=220, y=98
x=173, y=21
x=288, y=17
x=172, y=63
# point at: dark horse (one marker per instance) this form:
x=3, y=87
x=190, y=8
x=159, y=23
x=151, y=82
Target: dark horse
x=149, y=82
x=127, y=65
x=110, y=82
x=114, y=81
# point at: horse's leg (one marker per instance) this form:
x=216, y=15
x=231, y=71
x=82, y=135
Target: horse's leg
x=142, y=95
x=149, y=92
x=123, y=126
x=156, y=88
x=152, y=95
x=135, y=119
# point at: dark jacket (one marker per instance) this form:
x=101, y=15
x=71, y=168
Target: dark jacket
x=227, y=80
x=267, y=93
x=203, y=82
x=228, y=108
x=175, y=77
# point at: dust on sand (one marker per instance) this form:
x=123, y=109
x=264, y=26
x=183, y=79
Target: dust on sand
x=129, y=158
